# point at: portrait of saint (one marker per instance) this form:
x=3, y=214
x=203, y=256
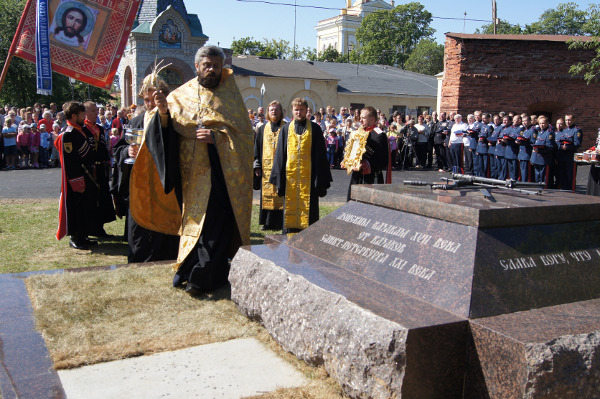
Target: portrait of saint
x=73, y=24
x=169, y=36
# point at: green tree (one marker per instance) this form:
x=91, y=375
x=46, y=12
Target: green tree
x=279, y=49
x=270, y=48
x=565, y=19
x=503, y=28
x=388, y=37
x=309, y=54
x=19, y=87
x=331, y=54
x=427, y=58
x=590, y=70
x=246, y=46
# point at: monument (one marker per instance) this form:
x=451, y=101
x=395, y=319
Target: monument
x=416, y=293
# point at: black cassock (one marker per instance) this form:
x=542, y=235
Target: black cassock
x=206, y=268
x=376, y=153
x=105, y=210
x=320, y=173
x=272, y=219
x=78, y=164
x=144, y=245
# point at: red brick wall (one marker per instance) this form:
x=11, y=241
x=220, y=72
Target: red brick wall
x=519, y=76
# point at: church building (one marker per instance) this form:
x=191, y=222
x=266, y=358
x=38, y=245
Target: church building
x=163, y=30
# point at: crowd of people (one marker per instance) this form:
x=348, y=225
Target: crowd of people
x=28, y=134
x=521, y=147
x=190, y=192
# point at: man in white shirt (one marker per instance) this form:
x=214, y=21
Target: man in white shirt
x=456, y=143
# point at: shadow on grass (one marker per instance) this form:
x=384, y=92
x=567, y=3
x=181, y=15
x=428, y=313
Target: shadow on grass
x=110, y=246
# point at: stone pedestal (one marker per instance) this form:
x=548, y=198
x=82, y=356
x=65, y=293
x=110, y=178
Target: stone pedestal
x=407, y=292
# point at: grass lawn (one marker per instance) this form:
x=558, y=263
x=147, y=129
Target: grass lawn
x=99, y=316
x=28, y=242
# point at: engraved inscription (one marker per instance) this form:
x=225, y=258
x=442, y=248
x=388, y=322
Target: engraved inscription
x=421, y=272
x=354, y=248
x=548, y=260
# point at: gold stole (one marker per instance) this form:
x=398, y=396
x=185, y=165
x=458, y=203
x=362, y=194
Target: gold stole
x=150, y=207
x=297, y=175
x=270, y=199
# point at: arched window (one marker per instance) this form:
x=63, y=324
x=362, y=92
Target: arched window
x=172, y=76
x=127, y=86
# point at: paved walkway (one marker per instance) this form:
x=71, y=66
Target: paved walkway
x=45, y=183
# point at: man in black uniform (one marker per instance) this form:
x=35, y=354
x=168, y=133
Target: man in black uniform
x=271, y=205
x=375, y=157
x=79, y=189
x=105, y=210
x=144, y=245
x=440, y=130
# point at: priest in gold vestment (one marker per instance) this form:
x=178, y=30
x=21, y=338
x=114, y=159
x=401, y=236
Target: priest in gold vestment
x=300, y=169
x=270, y=216
x=203, y=147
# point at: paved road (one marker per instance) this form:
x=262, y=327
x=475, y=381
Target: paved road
x=45, y=183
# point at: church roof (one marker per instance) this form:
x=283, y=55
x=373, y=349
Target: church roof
x=150, y=9
x=380, y=80
x=269, y=67
x=371, y=79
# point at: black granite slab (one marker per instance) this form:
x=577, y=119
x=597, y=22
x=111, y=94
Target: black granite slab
x=509, y=348
x=423, y=257
x=436, y=342
x=528, y=267
x=469, y=270
x=468, y=206
x=26, y=369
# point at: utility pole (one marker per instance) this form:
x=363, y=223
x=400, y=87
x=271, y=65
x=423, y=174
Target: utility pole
x=494, y=16
x=295, y=8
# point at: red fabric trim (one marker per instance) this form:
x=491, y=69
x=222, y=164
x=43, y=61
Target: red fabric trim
x=62, y=205
x=98, y=70
x=93, y=128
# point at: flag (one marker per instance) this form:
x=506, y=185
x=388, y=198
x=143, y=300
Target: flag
x=42, y=54
x=86, y=37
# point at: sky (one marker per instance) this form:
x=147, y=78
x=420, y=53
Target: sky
x=235, y=19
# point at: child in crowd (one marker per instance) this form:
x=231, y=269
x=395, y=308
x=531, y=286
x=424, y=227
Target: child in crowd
x=44, y=146
x=9, y=135
x=34, y=146
x=55, y=133
x=23, y=144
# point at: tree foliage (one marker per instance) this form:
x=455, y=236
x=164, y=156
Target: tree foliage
x=565, y=19
x=591, y=69
x=270, y=48
x=503, y=28
x=388, y=37
x=427, y=58
x=19, y=87
x=332, y=55
x=246, y=46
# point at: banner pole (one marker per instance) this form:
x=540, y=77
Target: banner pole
x=11, y=51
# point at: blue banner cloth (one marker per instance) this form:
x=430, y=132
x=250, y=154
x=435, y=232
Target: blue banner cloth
x=42, y=45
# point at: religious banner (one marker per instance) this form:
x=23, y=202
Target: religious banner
x=87, y=37
x=43, y=67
